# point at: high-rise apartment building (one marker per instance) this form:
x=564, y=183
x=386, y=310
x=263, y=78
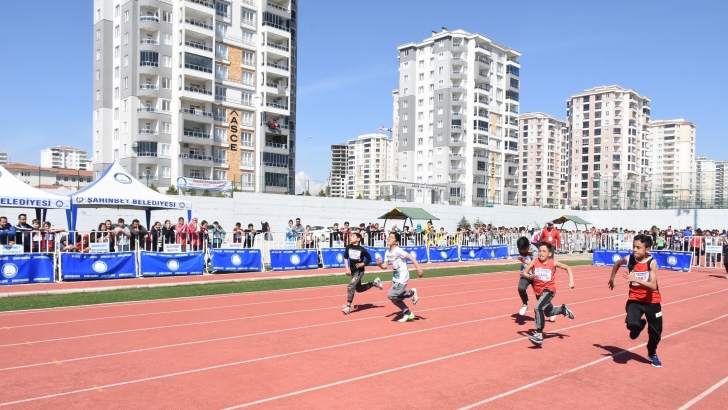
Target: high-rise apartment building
x=543, y=161
x=197, y=89
x=369, y=158
x=607, y=140
x=62, y=156
x=720, y=197
x=339, y=167
x=705, y=181
x=671, y=158
x=457, y=114
x=3, y=157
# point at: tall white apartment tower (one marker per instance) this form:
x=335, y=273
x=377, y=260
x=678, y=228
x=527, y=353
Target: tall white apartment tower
x=608, y=138
x=197, y=89
x=62, y=156
x=369, y=156
x=458, y=118
x=671, y=154
x=339, y=161
x=705, y=182
x=543, y=161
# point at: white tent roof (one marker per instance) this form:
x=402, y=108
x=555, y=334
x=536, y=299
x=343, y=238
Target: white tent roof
x=17, y=194
x=118, y=188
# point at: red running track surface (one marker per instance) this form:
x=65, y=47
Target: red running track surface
x=295, y=349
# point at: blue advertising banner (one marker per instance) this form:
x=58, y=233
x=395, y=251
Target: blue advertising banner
x=419, y=252
x=443, y=254
x=376, y=253
x=293, y=259
x=83, y=266
x=236, y=260
x=472, y=253
x=495, y=252
x=333, y=257
x=679, y=261
x=16, y=269
x=171, y=264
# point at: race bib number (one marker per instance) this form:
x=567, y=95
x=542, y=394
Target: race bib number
x=550, y=238
x=644, y=276
x=354, y=254
x=543, y=274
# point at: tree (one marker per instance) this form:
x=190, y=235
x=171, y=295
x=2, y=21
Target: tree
x=321, y=193
x=220, y=194
x=478, y=221
x=387, y=198
x=192, y=192
x=154, y=188
x=206, y=193
x=462, y=223
x=306, y=193
x=172, y=190
x=359, y=197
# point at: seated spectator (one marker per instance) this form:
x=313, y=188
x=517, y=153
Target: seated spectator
x=7, y=232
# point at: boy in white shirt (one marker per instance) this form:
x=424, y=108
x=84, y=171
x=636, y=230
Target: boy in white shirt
x=397, y=257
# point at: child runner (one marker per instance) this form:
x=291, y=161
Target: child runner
x=356, y=258
x=396, y=256
x=527, y=253
x=644, y=294
x=544, y=286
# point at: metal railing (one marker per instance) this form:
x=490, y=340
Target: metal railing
x=198, y=24
x=195, y=112
x=198, y=68
x=195, y=134
x=197, y=90
x=198, y=46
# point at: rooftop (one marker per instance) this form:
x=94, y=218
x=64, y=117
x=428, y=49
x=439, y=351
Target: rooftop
x=445, y=33
x=607, y=88
x=60, y=171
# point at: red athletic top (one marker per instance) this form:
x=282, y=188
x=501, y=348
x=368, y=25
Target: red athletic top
x=638, y=292
x=545, y=276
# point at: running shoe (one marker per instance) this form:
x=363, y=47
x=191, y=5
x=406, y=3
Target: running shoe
x=415, y=298
x=567, y=312
x=655, y=360
x=347, y=309
x=634, y=334
x=378, y=283
x=523, y=310
x=552, y=319
x=407, y=317
x=536, y=338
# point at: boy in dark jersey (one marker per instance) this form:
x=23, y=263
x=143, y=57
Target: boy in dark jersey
x=526, y=253
x=542, y=272
x=644, y=294
x=356, y=258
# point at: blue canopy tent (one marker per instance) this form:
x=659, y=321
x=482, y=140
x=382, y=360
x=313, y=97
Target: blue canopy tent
x=15, y=193
x=116, y=188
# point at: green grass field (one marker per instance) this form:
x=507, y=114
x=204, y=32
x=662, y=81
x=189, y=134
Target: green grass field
x=126, y=295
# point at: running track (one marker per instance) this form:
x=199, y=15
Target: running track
x=294, y=349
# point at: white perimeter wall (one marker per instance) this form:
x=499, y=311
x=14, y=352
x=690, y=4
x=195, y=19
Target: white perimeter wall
x=278, y=209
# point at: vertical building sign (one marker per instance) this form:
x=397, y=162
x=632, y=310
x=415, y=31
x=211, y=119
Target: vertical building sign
x=491, y=171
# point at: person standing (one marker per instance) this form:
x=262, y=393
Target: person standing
x=123, y=236
x=168, y=234
x=138, y=234
x=7, y=232
x=180, y=233
x=218, y=234
x=155, y=238
x=356, y=257
x=551, y=236
x=397, y=257
x=644, y=294
x=23, y=232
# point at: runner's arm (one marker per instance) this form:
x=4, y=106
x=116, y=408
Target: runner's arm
x=567, y=268
x=615, y=268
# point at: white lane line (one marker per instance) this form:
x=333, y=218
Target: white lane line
x=324, y=348
x=238, y=294
x=703, y=394
x=338, y=295
x=607, y=357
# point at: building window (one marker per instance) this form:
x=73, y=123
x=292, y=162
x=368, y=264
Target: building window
x=126, y=16
x=126, y=82
x=166, y=105
x=98, y=55
x=126, y=38
x=98, y=34
x=98, y=95
x=167, y=83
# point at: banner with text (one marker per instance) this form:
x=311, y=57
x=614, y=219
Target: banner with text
x=171, y=264
x=16, y=269
x=679, y=261
x=333, y=257
x=376, y=253
x=293, y=259
x=236, y=260
x=84, y=266
x=419, y=252
x=210, y=185
x=443, y=254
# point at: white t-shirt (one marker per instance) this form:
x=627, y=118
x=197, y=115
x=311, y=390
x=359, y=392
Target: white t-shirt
x=397, y=259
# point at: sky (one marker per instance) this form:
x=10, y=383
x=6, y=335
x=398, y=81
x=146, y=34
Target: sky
x=671, y=51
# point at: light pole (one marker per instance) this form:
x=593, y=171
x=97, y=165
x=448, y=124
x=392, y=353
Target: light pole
x=305, y=162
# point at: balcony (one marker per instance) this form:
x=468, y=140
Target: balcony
x=198, y=23
x=149, y=41
x=195, y=134
x=148, y=87
x=202, y=3
x=277, y=46
x=276, y=26
x=198, y=46
x=198, y=157
x=198, y=68
x=276, y=145
x=278, y=66
x=197, y=90
x=221, y=163
x=148, y=64
x=192, y=111
x=148, y=131
x=276, y=105
x=153, y=19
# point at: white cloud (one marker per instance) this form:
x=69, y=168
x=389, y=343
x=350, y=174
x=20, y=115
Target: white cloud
x=303, y=180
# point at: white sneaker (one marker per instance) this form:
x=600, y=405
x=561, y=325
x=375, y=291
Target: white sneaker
x=552, y=319
x=347, y=309
x=407, y=318
x=378, y=283
x=415, y=298
x=523, y=310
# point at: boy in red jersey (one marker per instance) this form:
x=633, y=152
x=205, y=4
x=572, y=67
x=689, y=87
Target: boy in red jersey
x=542, y=272
x=644, y=294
